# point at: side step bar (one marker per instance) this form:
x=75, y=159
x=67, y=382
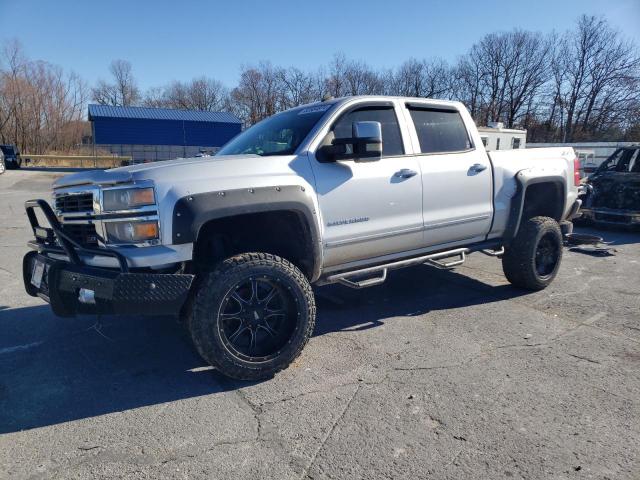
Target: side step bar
x=346, y=278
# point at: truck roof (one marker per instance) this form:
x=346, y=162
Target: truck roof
x=431, y=101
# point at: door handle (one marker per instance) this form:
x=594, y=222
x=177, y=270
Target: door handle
x=478, y=167
x=405, y=173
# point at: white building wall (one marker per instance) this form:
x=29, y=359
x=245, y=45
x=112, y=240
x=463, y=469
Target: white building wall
x=602, y=150
x=503, y=139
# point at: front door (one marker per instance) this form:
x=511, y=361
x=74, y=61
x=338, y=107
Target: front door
x=370, y=209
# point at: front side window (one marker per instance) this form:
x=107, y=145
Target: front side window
x=515, y=143
x=280, y=134
x=440, y=131
x=391, y=136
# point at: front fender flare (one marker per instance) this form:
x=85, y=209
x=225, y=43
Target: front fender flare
x=191, y=212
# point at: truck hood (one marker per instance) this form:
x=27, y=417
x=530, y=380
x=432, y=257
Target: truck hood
x=157, y=171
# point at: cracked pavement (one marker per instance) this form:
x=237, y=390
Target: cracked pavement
x=434, y=374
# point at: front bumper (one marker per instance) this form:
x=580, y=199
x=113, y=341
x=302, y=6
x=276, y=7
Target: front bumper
x=609, y=216
x=72, y=287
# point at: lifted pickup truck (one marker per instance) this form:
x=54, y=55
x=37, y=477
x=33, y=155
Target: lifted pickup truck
x=340, y=191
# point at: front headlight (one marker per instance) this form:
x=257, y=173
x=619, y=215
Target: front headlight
x=132, y=232
x=127, y=198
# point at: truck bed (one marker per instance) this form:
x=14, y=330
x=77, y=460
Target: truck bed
x=541, y=162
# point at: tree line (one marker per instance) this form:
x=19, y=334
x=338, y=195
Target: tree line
x=580, y=85
x=41, y=107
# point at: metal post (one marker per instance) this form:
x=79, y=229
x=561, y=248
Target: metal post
x=93, y=138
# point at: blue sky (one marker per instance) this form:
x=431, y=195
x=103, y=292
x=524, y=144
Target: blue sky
x=178, y=40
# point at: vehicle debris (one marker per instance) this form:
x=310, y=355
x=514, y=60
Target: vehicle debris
x=588, y=244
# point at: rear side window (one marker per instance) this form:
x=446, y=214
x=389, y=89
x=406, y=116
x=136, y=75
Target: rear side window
x=391, y=136
x=440, y=131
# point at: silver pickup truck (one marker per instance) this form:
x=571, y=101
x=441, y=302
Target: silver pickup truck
x=339, y=191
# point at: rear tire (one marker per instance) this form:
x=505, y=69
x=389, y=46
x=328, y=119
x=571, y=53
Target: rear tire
x=534, y=256
x=252, y=315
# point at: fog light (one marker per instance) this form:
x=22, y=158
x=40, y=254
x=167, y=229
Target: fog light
x=132, y=232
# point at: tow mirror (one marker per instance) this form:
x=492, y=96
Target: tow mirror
x=364, y=145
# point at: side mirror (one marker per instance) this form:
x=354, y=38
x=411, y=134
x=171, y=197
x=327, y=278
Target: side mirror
x=364, y=145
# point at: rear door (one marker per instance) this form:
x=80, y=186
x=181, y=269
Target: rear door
x=456, y=176
x=370, y=209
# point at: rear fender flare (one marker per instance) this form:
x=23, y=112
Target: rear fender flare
x=524, y=179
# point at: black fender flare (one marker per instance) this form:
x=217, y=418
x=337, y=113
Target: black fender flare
x=524, y=180
x=192, y=212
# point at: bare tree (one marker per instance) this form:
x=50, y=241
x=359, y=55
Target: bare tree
x=123, y=91
x=41, y=107
x=596, y=78
x=335, y=81
x=259, y=93
x=202, y=93
x=298, y=87
x=420, y=78
x=350, y=77
x=467, y=85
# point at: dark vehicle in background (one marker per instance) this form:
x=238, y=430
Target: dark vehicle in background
x=612, y=193
x=12, y=158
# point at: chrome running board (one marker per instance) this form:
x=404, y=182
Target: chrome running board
x=346, y=278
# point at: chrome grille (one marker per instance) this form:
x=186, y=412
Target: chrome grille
x=74, y=203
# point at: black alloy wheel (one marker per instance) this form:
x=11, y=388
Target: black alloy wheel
x=547, y=255
x=257, y=318
x=532, y=259
x=252, y=315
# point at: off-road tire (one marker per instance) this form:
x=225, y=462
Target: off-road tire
x=204, y=322
x=519, y=259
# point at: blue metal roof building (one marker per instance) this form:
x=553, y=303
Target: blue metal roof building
x=161, y=127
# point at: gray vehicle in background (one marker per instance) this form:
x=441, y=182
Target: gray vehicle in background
x=12, y=158
x=2, y=167
x=339, y=191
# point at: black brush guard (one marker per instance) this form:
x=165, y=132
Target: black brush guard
x=115, y=291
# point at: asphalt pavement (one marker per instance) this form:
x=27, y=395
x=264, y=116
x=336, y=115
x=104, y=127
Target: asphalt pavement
x=434, y=374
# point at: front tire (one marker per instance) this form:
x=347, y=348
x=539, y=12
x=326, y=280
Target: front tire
x=252, y=315
x=533, y=258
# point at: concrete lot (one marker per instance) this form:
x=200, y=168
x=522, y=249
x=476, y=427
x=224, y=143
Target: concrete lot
x=433, y=375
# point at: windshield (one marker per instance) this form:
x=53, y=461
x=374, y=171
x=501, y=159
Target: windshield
x=280, y=134
x=622, y=160
x=7, y=149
